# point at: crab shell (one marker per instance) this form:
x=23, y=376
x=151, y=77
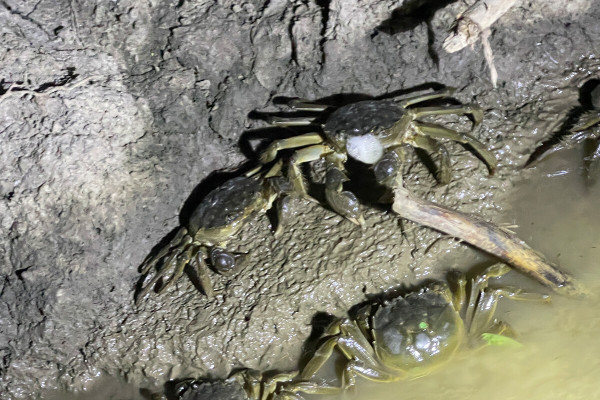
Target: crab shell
x=417, y=332
x=223, y=211
x=361, y=129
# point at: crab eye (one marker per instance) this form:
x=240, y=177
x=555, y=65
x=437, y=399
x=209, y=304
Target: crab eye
x=365, y=148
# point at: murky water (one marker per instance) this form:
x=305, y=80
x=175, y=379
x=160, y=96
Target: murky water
x=558, y=215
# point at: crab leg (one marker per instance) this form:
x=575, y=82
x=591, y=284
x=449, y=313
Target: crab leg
x=472, y=110
x=483, y=317
x=342, y=201
x=439, y=132
x=306, y=154
x=409, y=101
x=290, y=143
x=171, y=263
x=284, y=122
x=306, y=105
x=485, y=236
x=483, y=300
x=151, y=261
x=590, y=119
x=347, y=337
x=203, y=275
x=429, y=144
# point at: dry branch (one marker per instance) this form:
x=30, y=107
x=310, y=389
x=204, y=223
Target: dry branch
x=474, y=24
x=487, y=237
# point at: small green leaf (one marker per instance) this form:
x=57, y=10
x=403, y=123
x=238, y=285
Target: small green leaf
x=423, y=325
x=494, y=339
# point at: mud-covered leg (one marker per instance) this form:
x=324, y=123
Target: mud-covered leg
x=179, y=266
x=445, y=92
x=290, y=143
x=347, y=337
x=439, y=132
x=283, y=190
x=171, y=264
x=150, y=261
x=341, y=201
x=468, y=109
x=444, y=172
x=306, y=154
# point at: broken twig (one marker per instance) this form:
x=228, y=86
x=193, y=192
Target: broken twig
x=484, y=236
x=474, y=24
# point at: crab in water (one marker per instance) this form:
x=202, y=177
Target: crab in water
x=374, y=132
x=586, y=128
x=218, y=217
x=409, y=336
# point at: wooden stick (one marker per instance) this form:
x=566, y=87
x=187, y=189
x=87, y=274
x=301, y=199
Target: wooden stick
x=474, y=24
x=487, y=237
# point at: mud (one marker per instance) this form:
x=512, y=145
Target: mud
x=114, y=115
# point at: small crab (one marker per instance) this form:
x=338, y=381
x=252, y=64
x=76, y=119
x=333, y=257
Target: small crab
x=374, y=132
x=218, y=217
x=409, y=336
x=242, y=385
x=586, y=128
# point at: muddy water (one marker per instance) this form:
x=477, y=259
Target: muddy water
x=560, y=358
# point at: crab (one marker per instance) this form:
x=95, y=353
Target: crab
x=218, y=217
x=409, y=336
x=374, y=132
x=246, y=384
x=586, y=128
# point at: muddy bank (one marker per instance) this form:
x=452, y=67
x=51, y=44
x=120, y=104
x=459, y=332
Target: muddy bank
x=112, y=114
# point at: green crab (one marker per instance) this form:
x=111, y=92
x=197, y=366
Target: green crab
x=218, y=217
x=375, y=132
x=409, y=336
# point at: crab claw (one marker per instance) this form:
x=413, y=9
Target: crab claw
x=346, y=204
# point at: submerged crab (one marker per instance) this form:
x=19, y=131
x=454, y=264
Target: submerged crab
x=411, y=335
x=374, y=132
x=220, y=215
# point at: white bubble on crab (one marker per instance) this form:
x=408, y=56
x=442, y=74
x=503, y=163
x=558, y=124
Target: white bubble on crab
x=366, y=148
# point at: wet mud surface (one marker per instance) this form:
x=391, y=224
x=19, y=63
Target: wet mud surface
x=114, y=116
